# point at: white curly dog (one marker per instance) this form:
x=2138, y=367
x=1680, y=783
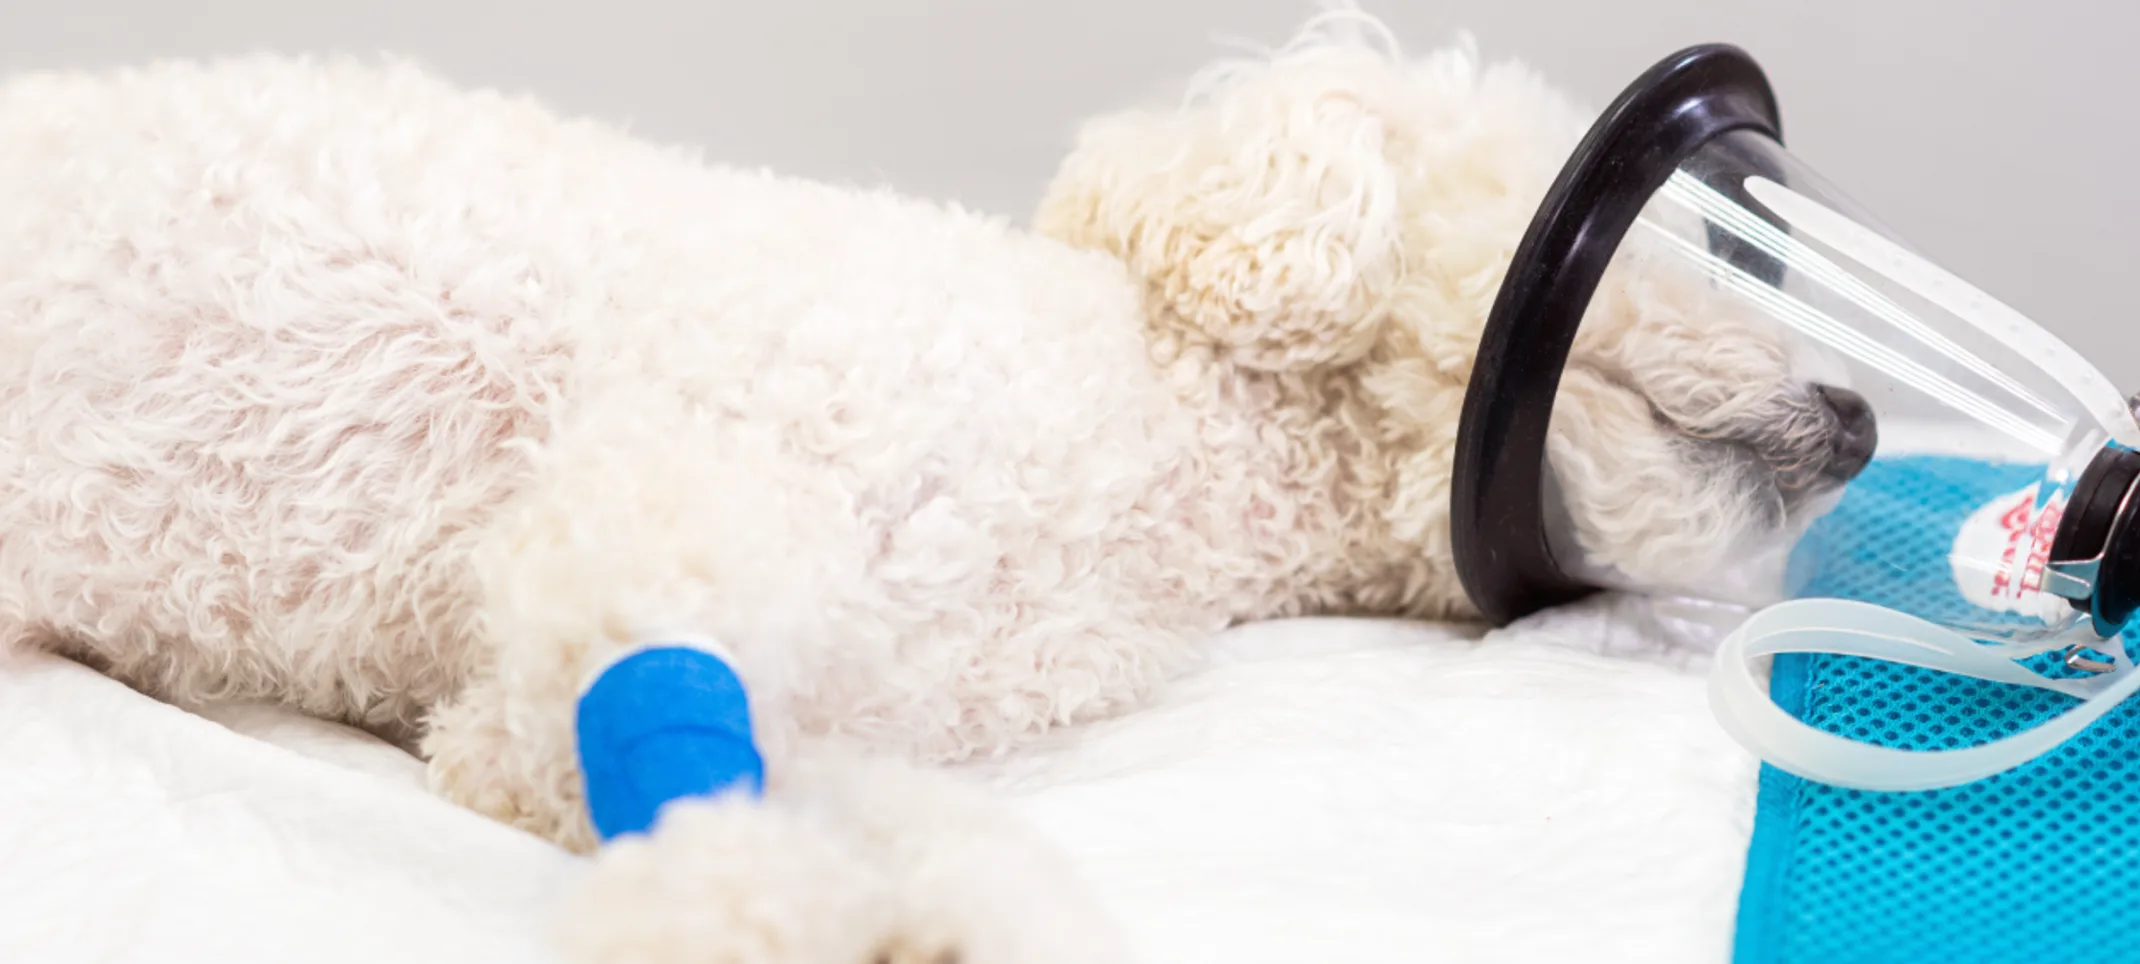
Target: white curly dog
x=331, y=384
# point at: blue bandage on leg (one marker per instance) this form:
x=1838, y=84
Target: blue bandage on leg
x=662, y=723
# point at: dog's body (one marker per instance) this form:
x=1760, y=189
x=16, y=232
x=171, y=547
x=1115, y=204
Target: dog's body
x=332, y=385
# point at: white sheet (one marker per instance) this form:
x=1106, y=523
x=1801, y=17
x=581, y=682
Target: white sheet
x=1327, y=790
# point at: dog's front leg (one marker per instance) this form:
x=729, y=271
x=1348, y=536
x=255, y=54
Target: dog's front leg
x=645, y=523
x=641, y=522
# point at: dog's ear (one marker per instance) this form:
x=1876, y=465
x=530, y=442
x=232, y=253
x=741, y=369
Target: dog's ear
x=1263, y=213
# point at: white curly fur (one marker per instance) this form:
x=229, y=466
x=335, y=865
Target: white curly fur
x=325, y=382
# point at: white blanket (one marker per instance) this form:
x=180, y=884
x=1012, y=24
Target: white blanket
x=1327, y=790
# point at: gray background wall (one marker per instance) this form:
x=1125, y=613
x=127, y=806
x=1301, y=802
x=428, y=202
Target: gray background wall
x=1996, y=136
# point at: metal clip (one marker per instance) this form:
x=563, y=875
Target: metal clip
x=2072, y=579
x=2075, y=661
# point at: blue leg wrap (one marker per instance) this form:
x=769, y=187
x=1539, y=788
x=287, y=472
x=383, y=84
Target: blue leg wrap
x=662, y=723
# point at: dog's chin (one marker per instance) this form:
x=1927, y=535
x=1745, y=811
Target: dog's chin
x=1804, y=506
x=1770, y=510
x=1790, y=504
x=1751, y=563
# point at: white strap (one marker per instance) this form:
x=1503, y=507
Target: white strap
x=1742, y=704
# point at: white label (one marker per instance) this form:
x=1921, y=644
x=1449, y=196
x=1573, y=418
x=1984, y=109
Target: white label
x=2000, y=554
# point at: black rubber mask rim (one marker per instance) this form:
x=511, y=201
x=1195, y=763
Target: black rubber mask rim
x=1497, y=498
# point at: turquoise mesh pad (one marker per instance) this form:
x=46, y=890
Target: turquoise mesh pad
x=2030, y=865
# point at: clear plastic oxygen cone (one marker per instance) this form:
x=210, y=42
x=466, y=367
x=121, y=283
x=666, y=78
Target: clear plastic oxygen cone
x=1770, y=397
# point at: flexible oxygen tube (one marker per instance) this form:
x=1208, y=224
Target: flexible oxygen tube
x=1740, y=698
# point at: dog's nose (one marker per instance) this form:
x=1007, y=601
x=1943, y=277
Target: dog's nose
x=1857, y=433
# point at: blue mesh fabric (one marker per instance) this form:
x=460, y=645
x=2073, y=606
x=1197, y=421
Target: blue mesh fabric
x=2017, y=867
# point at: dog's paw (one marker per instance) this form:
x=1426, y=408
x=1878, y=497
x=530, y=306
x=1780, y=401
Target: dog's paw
x=863, y=865
x=734, y=881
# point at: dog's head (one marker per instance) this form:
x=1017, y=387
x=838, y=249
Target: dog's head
x=1336, y=206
